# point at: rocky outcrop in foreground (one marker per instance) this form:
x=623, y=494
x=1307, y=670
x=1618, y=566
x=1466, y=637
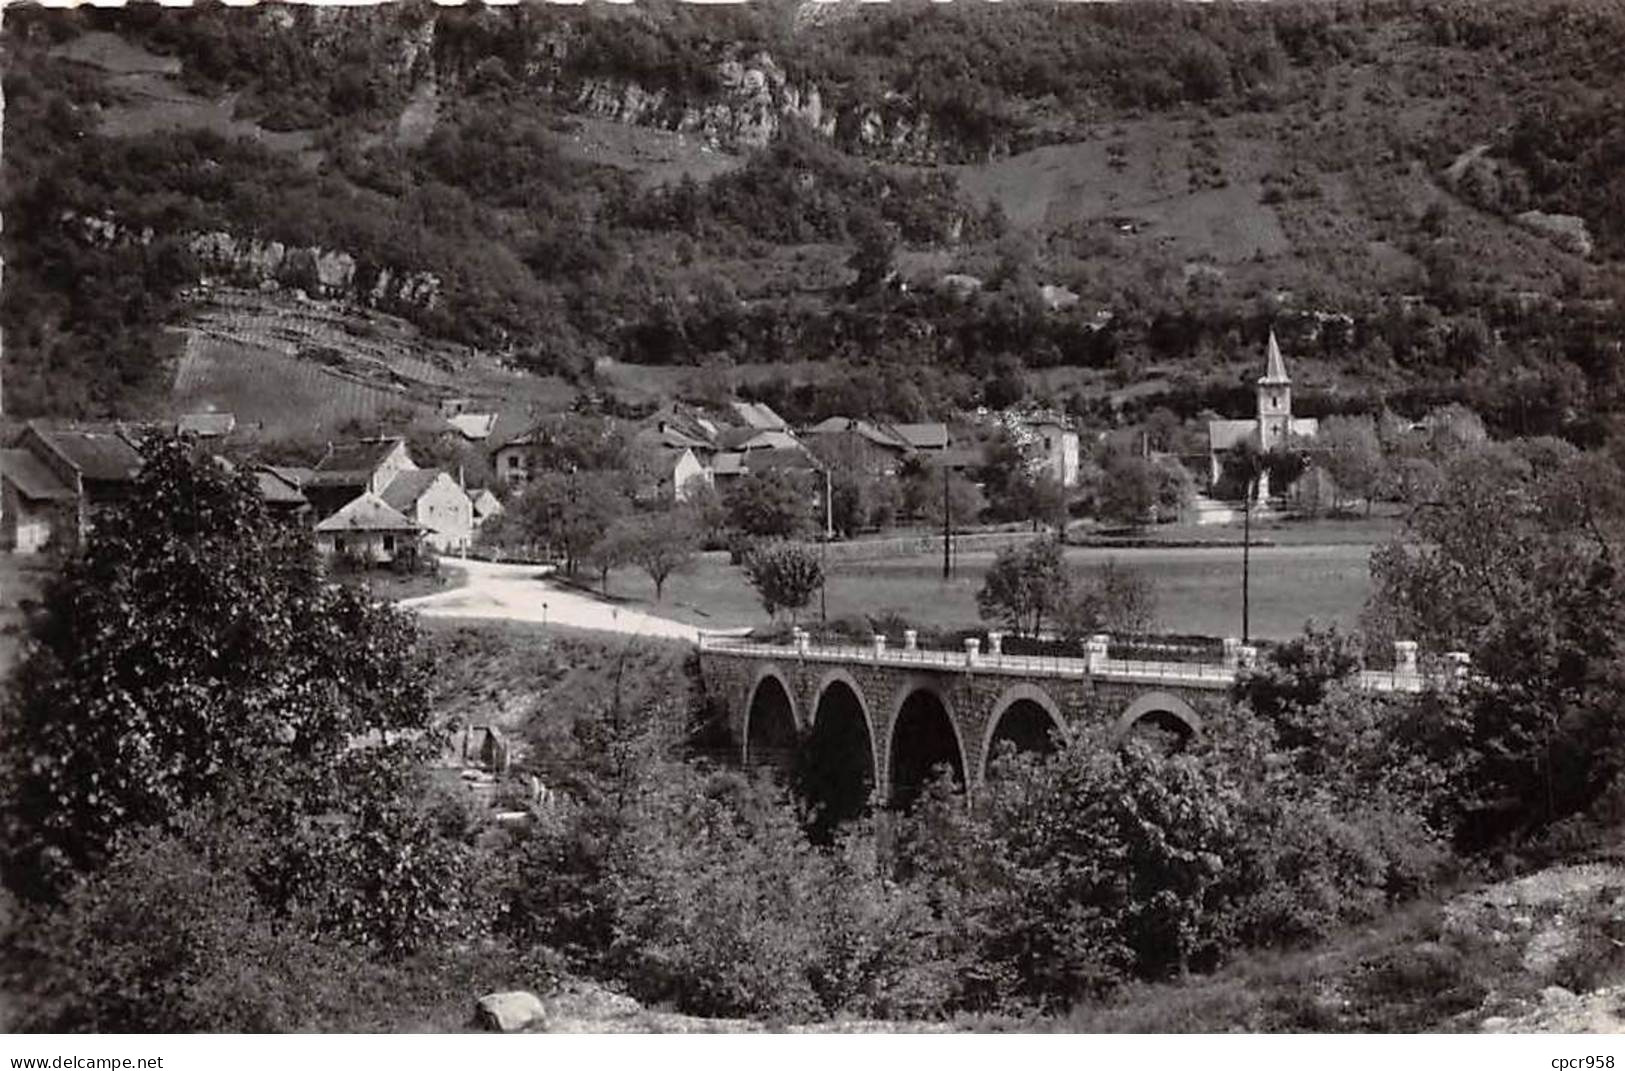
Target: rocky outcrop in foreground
x=579, y=1007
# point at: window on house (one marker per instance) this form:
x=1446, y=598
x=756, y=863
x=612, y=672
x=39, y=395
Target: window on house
x=340, y=545
x=389, y=544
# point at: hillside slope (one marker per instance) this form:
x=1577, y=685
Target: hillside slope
x=1407, y=192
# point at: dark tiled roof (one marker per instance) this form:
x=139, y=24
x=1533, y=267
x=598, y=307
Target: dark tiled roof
x=105, y=456
x=297, y=475
x=404, y=490
x=32, y=478
x=277, y=490
x=351, y=464
x=787, y=458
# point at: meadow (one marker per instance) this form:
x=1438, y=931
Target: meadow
x=1198, y=588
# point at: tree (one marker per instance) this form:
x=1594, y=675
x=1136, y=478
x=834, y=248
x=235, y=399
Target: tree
x=1109, y=598
x=571, y=511
x=1128, y=491
x=194, y=640
x=609, y=551
x=965, y=502
x=875, y=252
x=1046, y=502
x=1350, y=452
x=784, y=575
x=1175, y=488
x=1517, y=566
x=1025, y=584
x=662, y=544
x=706, y=510
x=770, y=504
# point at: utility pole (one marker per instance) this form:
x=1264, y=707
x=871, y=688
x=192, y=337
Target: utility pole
x=823, y=548
x=947, y=527
x=1246, y=554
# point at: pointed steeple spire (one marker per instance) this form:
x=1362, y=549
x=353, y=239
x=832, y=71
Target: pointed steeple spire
x=1275, y=367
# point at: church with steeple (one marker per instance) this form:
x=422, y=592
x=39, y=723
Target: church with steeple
x=1273, y=425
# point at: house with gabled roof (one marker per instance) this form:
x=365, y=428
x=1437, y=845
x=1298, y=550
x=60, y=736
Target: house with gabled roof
x=353, y=468
x=858, y=445
x=368, y=530
x=748, y=439
x=95, y=465
x=36, y=507
x=475, y=427
x=484, y=504
x=280, y=492
x=671, y=473
x=436, y=502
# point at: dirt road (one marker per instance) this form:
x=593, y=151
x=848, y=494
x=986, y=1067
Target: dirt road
x=524, y=593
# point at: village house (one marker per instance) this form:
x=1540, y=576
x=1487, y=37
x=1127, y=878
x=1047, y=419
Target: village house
x=438, y=504
x=279, y=490
x=1057, y=446
x=473, y=427
x=1273, y=426
x=355, y=468
x=514, y=459
x=673, y=472
x=483, y=504
x=34, y=504
x=745, y=440
x=369, y=531
x=56, y=480
x=858, y=445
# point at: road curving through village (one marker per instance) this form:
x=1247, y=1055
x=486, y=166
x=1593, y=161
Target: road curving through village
x=515, y=592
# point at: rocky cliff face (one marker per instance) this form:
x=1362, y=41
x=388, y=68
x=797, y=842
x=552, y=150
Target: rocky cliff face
x=247, y=261
x=754, y=100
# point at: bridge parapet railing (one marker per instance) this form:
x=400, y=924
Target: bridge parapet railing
x=1405, y=677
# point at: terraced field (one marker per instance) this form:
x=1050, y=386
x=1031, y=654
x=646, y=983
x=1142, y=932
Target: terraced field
x=303, y=368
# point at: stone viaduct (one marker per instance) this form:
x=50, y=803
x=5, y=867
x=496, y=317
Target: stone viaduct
x=886, y=717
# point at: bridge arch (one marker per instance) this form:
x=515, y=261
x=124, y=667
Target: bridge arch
x=838, y=769
x=924, y=734
x=771, y=724
x=1019, y=701
x=1161, y=709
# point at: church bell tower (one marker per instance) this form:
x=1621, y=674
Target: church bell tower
x=1274, y=399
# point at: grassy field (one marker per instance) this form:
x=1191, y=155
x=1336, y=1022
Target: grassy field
x=1198, y=588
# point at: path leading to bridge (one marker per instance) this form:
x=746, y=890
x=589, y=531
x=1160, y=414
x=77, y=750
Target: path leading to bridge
x=512, y=592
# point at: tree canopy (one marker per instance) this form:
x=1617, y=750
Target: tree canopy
x=194, y=641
